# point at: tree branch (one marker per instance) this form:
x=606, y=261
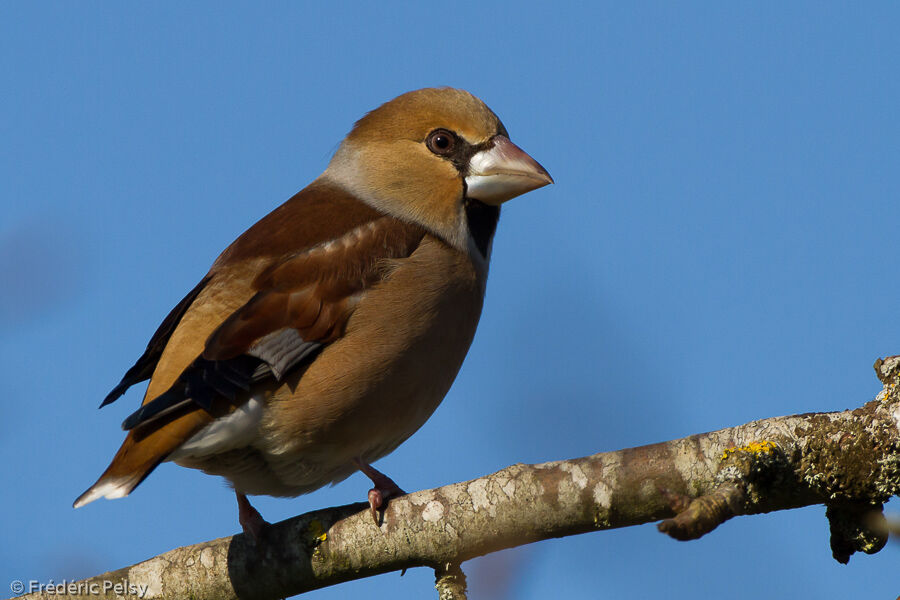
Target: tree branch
x=849, y=461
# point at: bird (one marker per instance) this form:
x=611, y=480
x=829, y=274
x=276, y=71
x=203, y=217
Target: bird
x=327, y=333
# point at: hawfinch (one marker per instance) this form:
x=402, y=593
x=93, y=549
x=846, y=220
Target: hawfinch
x=328, y=332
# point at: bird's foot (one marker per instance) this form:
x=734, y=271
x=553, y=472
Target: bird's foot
x=384, y=489
x=251, y=521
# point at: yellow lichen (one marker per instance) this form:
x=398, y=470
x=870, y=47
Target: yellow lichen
x=763, y=447
x=318, y=532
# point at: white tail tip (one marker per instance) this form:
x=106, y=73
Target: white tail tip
x=113, y=488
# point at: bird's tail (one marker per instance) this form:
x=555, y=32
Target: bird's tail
x=141, y=452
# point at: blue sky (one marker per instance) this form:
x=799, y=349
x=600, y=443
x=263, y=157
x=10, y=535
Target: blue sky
x=717, y=248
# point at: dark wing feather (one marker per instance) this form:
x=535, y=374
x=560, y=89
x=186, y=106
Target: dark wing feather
x=200, y=385
x=302, y=304
x=143, y=368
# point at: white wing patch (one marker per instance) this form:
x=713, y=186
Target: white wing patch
x=282, y=350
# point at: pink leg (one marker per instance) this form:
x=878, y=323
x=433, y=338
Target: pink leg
x=250, y=519
x=384, y=489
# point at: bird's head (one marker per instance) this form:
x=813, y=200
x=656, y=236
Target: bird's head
x=432, y=156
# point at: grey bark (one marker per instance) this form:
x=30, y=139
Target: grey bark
x=848, y=461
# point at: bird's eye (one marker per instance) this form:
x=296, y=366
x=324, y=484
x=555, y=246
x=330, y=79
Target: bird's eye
x=441, y=142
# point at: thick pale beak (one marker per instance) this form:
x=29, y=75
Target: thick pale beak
x=502, y=172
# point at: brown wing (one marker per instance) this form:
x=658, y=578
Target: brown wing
x=301, y=304
x=259, y=327
x=312, y=293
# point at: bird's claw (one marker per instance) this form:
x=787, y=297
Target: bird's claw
x=384, y=489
